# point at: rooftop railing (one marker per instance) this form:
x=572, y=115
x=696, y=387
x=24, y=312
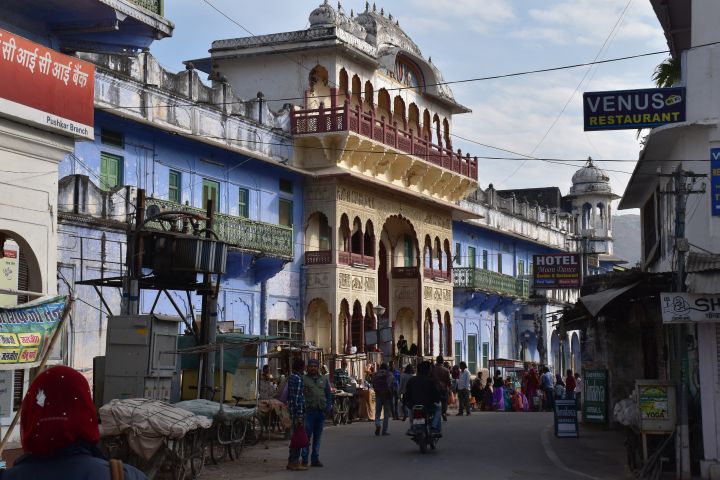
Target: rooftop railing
x=155, y=6
x=344, y=118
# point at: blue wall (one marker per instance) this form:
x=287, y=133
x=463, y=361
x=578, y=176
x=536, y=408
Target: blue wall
x=474, y=311
x=148, y=156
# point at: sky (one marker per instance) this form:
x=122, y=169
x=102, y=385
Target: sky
x=538, y=115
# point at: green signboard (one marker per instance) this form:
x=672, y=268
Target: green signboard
x=26, y=330
x=595, y=396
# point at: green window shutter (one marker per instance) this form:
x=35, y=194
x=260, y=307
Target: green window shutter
x=471, y=257
x=174, y=186
x=211, y=191
x=408, y=243
x=458, y=352
x=472, y=353
x=521, y=267
x=485, y=259
x=485, y=354
x=458, y=254
x=110, y=170
x=499, y=263
x=285, y=216
x=244, y=203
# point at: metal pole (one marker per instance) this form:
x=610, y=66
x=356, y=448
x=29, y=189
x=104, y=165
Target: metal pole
x=222, y=375
x=209, y=318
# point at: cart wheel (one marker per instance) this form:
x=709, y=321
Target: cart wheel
x=239, y=435
x=253, y=430
x=218, y=451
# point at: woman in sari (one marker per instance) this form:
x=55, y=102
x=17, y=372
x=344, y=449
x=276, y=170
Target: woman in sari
x=498, y=392
x=531, y=389
x=487, y=396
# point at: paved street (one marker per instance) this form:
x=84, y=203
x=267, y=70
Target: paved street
x=495, y=445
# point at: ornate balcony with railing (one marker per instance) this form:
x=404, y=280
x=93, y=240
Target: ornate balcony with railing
x=486, y=280
x=241, y=233
x=426, y=167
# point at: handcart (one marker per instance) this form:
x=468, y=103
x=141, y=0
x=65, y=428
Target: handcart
x=226, y=436
x=161, y=440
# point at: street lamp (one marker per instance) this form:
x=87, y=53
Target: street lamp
x=379, y=311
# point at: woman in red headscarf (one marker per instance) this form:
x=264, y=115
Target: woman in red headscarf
x=59, y=432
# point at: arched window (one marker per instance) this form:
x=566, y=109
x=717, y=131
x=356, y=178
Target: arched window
x=437, y=256
x=408, y=73
x=358, y=327
x=426, y=126
x=414, y=119
x=344, y=82
x=319, y=91
x=357, y=237
x=438, y=327
x=438, y=135
x=448, y=335
x=600, y=218
x=369, y=247
x=344, y=234
x=370, y=324
x=356, y=91
x=369, y=97
x=399, y=111
x=586, y=216
x=609, y=218
x=448, y=257
x=427, y=333
x=383, y=109
x=446, y=134
x=427, y=253
x=318, y=234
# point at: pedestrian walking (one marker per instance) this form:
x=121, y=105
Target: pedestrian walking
x=318, y=405
x=59, y=432
x=382, y=384
x=476, y=390
x=547, y=386
x=531, y=389
x=559, y=387
x=404, y=379
x=487, y=397
x=498, y=398
x=578, y=391
x=442, y=378
x=463, y=388
x=296, y=405
x=395, y=390
x=570, y=385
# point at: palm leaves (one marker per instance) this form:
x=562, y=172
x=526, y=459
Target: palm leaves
x=667, y=73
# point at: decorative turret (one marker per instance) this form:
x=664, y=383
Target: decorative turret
x=324, y=16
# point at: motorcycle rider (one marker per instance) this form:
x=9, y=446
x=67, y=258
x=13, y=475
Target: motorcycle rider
x=422, y=389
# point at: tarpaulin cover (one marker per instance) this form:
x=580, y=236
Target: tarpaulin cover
x=233, y=354
x=209, y=409
x=146, y=423
x=597, y=301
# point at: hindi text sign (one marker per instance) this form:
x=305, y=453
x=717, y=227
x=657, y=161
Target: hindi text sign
x=26, y=330
x=44, y=87
x=680, y=307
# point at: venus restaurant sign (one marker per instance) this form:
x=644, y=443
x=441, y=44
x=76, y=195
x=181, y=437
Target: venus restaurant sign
x=690, y=307
x=556, y=270
x=631, y=109
x=43, y=87
x=715, y=181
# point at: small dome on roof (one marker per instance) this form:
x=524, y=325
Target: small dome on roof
x=590, y=178
x=323, y=16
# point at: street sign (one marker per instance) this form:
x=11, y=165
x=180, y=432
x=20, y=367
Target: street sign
x=594, y=396
x=715, y=181
x=678, y=307
x=566, y=425
x=556, y=270
x=632, y=109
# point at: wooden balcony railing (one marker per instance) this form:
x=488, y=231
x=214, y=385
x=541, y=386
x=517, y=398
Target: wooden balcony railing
x=344, y=118
x=272, y=240
x=431, y=273
x=348, y=258
x=487, y=280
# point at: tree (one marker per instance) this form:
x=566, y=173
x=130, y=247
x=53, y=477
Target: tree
x=667, y=73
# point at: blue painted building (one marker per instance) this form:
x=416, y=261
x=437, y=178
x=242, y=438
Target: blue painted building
x=496, y=315
x=181, y=164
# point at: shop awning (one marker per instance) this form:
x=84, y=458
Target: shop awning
x=597, y=301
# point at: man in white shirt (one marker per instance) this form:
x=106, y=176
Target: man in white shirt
x=578, y=392
x=463, y=387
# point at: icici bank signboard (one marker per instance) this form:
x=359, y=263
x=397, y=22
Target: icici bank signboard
x=556, y=270
x=42, y=87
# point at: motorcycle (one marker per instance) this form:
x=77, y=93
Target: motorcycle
x=421, y=431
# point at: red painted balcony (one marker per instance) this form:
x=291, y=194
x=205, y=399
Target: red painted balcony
x=344, y=118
